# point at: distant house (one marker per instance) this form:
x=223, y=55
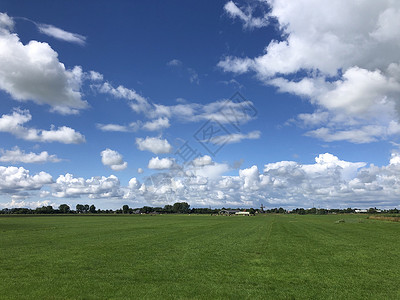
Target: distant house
x=236, y=212
x=228, y=212
x=242, y=213
x=361, y=211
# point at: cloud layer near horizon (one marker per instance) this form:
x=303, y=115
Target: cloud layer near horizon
x=329, y=182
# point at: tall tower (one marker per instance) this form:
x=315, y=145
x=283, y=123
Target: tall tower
x=262, y=208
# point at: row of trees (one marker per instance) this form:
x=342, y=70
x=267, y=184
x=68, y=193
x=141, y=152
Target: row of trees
x=62, y=209
x=177, y=208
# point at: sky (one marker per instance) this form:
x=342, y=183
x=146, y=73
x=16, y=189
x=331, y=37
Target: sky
x=215, y=103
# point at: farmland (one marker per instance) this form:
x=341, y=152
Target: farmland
x=199, y=257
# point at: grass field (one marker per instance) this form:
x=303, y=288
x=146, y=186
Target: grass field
x=199, y=257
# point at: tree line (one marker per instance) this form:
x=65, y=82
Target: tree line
x=180, y=208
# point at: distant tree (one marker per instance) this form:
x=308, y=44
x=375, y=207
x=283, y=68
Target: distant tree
x=64, y=208
x=168, y=209
x=146, y=209
x=80, y=208
x=86, y=208
x=301, y=211
x=181, y=207
x=92, y=209
x=349, y=210
x=125, y=209
x=312, y=211
x=281, y=210
x=45, y=210
x=252, y=211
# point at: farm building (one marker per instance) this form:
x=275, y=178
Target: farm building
x=242, y=213
x=236, y=212
x=228, y=212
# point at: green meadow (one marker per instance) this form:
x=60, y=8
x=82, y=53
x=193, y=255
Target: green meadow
x=199, y=257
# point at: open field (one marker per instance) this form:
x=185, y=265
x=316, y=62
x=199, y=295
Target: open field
x=202, y=257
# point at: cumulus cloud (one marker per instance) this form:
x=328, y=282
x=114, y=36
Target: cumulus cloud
x=61, y=34
x=95, y=76
x=68, y=186
x=113, y=159
x=245, y=15
x=17, y=155
x=329, y=182
x=202, y=161
x=351, y=66
x=6, y=23
x=212, y=171
x=154, y=144
x=160, y=164
x=33, y=72
x=14, y=122
x=157, y=124
x=15, y=180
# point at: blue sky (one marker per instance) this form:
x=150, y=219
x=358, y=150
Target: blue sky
x=98, y=101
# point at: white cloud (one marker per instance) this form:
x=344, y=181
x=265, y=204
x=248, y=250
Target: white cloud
x=193, y=76
x=132, y=127
x=26, y=204
x=154, y=144
x=251, y=177
x=154, y=125
x=348, y=69
x=133, y=184
x=33, y=72
x=160, y=164
x=202, y=161
x=68, y=186
x=14, y=124
x=138, y=103
x=112, y=127
x=212, y=171
x=95, y=76
x=174, y=62
x=245, y=16
x=14, y=180
x=365, y=134
x=329, y=182
x=140, y=170
x=113, y=159
x=235, y=137
x=6, y=23
x=223, y=111
x=17, y=155
x=157, y=124
x=61, y=34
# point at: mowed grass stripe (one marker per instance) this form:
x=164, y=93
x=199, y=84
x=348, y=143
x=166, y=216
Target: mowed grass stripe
x=199, y=257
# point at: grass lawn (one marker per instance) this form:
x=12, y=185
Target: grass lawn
x=199, y=257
